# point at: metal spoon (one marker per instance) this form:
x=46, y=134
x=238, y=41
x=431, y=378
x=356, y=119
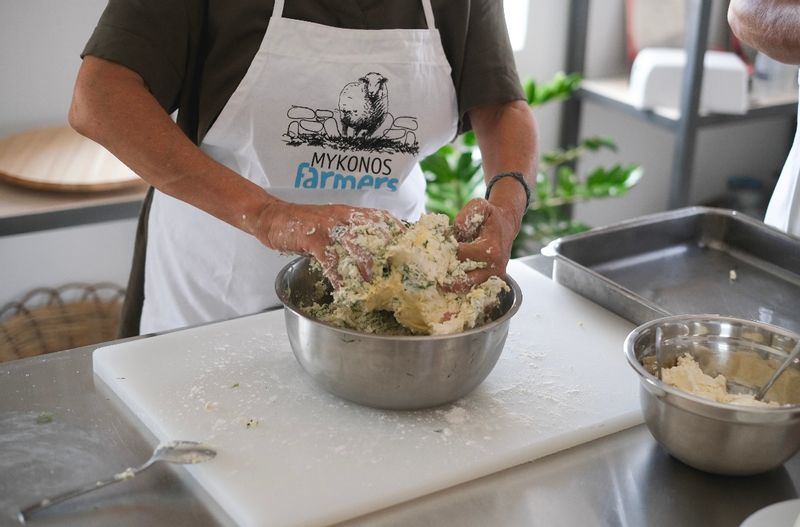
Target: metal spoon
x=792, y=356
x=182, y=452
x=658, y=344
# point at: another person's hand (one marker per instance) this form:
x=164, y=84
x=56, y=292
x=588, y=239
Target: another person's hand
x=312, y=229
x=486, y=234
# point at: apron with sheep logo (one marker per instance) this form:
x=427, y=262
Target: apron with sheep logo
x=323, y=115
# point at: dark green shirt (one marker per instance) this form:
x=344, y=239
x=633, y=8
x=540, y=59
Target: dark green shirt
x=193, y=53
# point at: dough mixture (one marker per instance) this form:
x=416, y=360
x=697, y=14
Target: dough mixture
x=411, y=290
x=688, y=376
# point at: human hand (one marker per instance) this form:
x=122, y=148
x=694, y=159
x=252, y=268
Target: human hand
x=316, y=230
x=486, y=233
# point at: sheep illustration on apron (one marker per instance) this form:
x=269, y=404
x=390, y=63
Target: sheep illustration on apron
x=784, y=206
x=323, y=115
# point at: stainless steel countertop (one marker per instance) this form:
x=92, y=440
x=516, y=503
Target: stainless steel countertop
x=624, y=479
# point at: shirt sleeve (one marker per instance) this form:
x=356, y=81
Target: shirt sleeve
x=489, y=74
x=156, y=39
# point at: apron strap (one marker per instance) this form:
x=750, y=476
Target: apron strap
x=277, y=11
x=426, y=6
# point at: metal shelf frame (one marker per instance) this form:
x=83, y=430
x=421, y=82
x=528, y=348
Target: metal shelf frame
x=686, y=125
x=73, y=217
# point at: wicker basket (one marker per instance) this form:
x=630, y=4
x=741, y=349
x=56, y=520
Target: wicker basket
x=48, y=320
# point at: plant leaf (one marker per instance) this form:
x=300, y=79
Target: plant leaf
x=567, y=182
x=560, y=87
x=596, y=143
x=469, y=138
x=437, y=168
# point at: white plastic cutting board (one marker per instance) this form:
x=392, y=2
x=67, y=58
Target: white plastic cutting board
x=309, y=458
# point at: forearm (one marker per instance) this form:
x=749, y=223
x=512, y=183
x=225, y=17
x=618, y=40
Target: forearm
x=112, y=106
x=508, y=141
x=771, y=26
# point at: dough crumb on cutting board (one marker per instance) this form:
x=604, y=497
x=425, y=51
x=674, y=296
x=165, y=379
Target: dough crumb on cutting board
x=688, y=376
x=411, y=291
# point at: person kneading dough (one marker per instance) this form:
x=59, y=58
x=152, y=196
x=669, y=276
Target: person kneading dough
x=288, y=128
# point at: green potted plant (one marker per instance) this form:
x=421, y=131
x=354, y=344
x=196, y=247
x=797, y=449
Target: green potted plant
x=455, y=176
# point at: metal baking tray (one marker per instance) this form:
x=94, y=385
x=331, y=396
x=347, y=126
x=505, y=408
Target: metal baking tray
x=696, y=260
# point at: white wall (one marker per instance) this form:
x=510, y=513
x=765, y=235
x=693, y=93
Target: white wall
x=41, y=41
x=99, y=252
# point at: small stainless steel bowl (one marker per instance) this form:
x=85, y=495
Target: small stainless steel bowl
x=710, y=436
x=392, y=372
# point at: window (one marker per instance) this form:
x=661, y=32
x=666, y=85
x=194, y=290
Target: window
x=517, y=21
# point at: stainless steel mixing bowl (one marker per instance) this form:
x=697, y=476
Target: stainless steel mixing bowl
x=393, y=372
x=710, y=436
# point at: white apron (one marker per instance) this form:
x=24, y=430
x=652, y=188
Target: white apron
x=323, y=115
x=783, y=211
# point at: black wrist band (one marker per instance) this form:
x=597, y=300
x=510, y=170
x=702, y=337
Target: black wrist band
x=515, y=175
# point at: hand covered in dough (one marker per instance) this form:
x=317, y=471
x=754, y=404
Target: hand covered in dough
x=325, y=232
x=485, y=232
